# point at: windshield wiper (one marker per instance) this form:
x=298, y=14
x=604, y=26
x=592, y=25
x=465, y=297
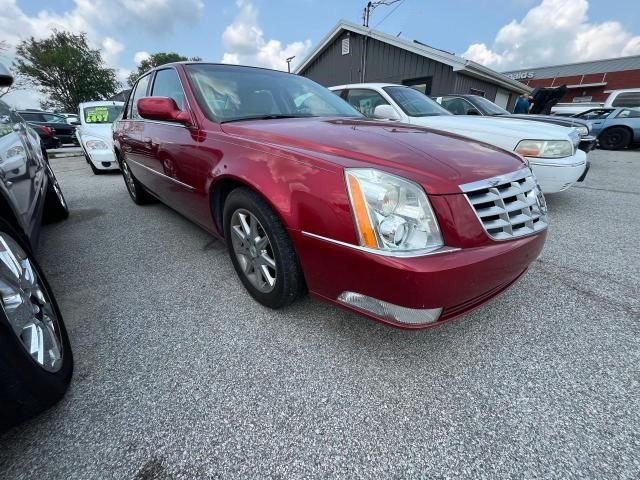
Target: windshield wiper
x=264, y=117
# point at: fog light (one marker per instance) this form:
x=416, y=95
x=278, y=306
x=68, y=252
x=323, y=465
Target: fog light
x=389, y=311
x=106, y=164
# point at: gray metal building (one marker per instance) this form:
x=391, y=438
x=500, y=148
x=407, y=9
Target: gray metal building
x=351, y=53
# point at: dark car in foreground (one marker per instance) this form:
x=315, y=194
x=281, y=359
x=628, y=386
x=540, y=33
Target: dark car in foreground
x=477, y=105
x=616, y=128
x=405, y=225
x=35, y=355
x=57, y=123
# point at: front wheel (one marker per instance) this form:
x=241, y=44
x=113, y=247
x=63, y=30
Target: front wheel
x=36, y=363
x=261, y=250
x=136, y=191
x=615, y=138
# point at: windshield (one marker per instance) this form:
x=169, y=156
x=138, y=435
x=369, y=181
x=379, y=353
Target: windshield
x=415, y=103
x=594, y=114
x=101, y=113
x=489, y=107
x=231, y=93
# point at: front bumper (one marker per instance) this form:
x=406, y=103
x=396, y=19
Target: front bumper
x=587, y=143
x=556, y=175
x=103, y=159
x=456, y=281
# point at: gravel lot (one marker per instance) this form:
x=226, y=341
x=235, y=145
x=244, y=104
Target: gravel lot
x=179, y=374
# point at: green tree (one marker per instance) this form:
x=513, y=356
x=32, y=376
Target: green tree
x=65, y=70
x=18, y=81
x=155, y=60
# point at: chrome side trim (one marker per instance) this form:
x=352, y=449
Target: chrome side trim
x=188, y=187
x=384, y=253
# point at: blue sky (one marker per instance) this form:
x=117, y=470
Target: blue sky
x=503, y=34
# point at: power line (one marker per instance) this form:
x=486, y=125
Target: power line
x=388, y=14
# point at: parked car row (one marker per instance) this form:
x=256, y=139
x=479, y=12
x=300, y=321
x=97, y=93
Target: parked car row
x=373, y=198
x=35, y=354
x=551, y=151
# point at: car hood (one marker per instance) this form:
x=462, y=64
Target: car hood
x=437, y=160
x=562, y=121
x=100, y=130
x=493, y=130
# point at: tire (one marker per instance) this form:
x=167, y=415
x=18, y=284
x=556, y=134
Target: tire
x=94, y=169
x=247, y=256
x=27, y=386
x=136, y=191
x=615, y=138
x=55, y=208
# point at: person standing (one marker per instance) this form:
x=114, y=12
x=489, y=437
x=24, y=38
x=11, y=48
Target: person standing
x=522, y=104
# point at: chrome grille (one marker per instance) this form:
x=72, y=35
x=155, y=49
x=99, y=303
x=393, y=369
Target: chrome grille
x=508, y=206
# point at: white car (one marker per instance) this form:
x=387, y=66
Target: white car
x=94, y=134
x=552, y=151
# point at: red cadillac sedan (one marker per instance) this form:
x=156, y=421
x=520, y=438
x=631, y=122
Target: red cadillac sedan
x=405, y=225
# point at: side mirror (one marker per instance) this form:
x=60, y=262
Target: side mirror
x=385, y=112
x=74, y=123
x=6, y=79
x=164, y=109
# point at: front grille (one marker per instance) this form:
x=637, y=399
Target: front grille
x=508, y=206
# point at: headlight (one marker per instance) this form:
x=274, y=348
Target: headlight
x=96, y=145
x=391, y=214
x=583, y=131
x=545, y=148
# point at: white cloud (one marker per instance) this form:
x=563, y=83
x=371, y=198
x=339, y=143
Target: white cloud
x=245, y=44
x=553, y=32
x=101, y=20
x=139, y=57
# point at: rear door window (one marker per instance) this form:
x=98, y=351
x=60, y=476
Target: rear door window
x=365, y=100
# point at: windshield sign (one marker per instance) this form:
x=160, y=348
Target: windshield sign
x=415, y=103
x=102, y=113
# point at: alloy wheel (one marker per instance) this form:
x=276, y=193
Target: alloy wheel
x=28, y=307
x=253, y=250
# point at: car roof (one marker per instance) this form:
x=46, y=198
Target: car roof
x=366, y=85
x=191, y=62
x=98, y=103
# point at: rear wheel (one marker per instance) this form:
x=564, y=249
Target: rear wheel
x=261, y=250
x=35, y=355
x=615, y=138
x=136, y=191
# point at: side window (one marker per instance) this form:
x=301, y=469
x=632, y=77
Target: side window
x=32, y=117
x=628, y=113
x=365, y=101
x=138, y=93
x=457, y=106
x=627, y=99
x=167, y=84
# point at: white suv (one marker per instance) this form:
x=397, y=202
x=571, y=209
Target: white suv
x=550, y=149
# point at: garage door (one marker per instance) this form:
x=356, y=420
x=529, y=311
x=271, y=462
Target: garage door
x=502, y=98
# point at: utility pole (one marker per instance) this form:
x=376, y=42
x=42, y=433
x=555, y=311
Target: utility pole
x=371, y=6
x=366, y=15
x=289, y=63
